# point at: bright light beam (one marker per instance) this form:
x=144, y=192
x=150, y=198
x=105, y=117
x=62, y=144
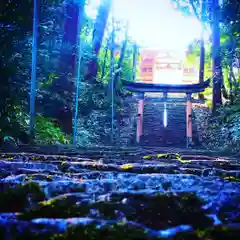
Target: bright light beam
x=165, y=118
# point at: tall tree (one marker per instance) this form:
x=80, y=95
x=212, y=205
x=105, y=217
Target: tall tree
x=202, y=45
x=64, y=86
x=97, y=38
x=231, y=18
x=15, y=27
x=216, y=57
x=105, y=57
x=135, y=56
x=214, y=20
x=34, y=70
x=122, y=54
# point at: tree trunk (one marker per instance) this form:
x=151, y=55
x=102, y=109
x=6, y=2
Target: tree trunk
x=112, y=82
x=98, y=34
x=202, y=48
x=64, y=86
x=216, y=57
x=120, y=61
x=230, y=79
x=201, y=68
x=202, y=45
x=135, y=56
x=202, y=62
x=105, y=59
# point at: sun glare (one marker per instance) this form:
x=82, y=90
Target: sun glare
x=154, y=23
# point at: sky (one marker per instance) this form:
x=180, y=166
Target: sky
x=154, y=23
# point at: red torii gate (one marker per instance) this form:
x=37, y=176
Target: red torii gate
x=188, y=89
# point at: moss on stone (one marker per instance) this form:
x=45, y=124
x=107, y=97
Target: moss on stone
x=56, y=208
x=163, y=156
x=222, y=232
x=166, y=185
x=170, y=210
x=119, y=231
x=126, y=166
x=67, y=207
x=157, y=212
x=212, y=233
x=148, y=157
x=63, y=166
x=49, y=178
x=112, y=232
x=90, y=232
x=230, y=210
x=232, y=178
x=39, y=177
x=16, y=199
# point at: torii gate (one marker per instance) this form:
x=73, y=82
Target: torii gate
x=188, y=89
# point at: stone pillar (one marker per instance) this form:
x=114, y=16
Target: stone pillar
x=189, y=119
x=140, y=119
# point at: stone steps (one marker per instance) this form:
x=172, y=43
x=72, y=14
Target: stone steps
x=154, y=132
x=87, y=197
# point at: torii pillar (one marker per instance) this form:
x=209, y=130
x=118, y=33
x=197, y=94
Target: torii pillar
x=140, y=118
x=189, y=119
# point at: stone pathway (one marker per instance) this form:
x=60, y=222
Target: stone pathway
x=132, y=193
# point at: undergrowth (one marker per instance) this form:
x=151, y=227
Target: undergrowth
x=222, y=131
x=48, y=132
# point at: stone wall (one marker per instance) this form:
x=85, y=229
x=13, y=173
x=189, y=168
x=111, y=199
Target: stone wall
x=128, y=124
x=96, y=130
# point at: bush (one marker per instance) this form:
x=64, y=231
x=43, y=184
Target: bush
x=48, y=132
x=221, y=132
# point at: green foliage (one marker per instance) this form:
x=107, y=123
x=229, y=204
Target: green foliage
x=184, y=6
x=48, y=132
x=104, y=62
x=53, y=94
x=16, y=126
x=221, y=132
x=15, y=50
